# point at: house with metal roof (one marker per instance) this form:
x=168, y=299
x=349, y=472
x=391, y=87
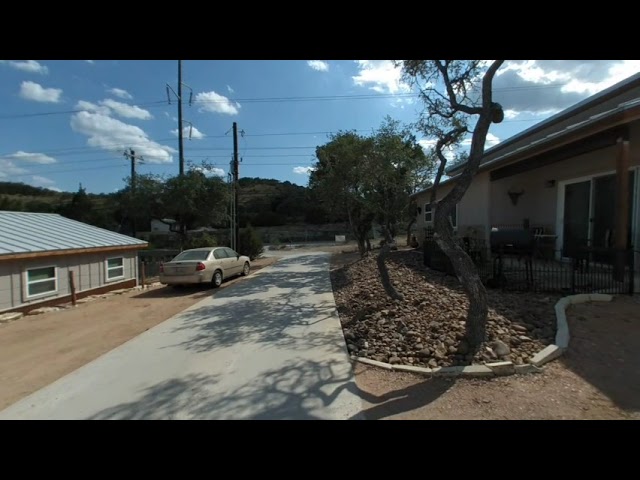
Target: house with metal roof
x=42, y=254
x=573, y=178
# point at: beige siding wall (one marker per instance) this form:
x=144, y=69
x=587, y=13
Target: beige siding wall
x=473, y=210
x=539, y=202
x=89, y=272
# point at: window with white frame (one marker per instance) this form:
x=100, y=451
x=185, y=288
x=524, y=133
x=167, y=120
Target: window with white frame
x=41, y=281
x=428, y=216
x=115, y=268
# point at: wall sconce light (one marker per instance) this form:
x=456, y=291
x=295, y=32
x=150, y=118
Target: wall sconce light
x=514, y=195
x=550, y=183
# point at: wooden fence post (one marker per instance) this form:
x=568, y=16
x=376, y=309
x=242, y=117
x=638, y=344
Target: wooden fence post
x=72, y=287
x=143, y=275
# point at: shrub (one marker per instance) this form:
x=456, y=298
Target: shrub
x=249, y=243
x=204, y=240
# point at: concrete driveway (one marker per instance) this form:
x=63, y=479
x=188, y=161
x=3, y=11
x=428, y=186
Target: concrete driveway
x=270, y=347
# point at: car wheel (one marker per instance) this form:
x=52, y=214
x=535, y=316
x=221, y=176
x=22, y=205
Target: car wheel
x=217, y=279
x=246, y=269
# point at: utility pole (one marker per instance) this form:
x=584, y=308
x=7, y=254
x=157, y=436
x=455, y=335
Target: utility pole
x=181, y=122
x=180, y=139
x=235, y=185
x=132, y=156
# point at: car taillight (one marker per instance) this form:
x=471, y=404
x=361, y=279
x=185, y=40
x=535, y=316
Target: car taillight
x=161, y=268
x=200, y=266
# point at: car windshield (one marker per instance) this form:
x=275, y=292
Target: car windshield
x=192, y=255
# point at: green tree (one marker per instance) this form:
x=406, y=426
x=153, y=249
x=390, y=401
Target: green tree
x=339, y=181
x=80, y=208
x=454, y=92
x=249, y=243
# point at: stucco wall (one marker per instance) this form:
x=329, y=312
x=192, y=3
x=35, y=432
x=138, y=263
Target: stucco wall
x=473, y=209
x=539, y=202
x=89, y=272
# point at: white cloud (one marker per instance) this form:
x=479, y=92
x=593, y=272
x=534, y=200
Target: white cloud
x=30, y=66
x=303, y=170
x=114, y=136
x=216, y=103
x=230, y=90
x=544, y=87
x=121, y=93
x=90, y=61
x=42, y=181
x=490, y=141
x=92, y=107
x=195, y=133
x=318, y=65
x=9, y=169
x=212, y=171
x=37, y=93
x=126, y=110
x=380, y=76
x=26, y=157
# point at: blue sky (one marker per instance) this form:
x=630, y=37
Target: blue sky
x=68, y=122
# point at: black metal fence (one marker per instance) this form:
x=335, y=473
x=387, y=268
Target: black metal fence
x=589, y=271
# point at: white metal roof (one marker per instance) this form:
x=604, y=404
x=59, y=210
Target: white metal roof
x=26, y=232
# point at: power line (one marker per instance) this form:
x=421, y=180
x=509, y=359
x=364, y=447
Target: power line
x=158, y=103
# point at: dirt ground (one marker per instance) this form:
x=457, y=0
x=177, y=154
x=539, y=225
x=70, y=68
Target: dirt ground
x=597, y=378
x=38, y=349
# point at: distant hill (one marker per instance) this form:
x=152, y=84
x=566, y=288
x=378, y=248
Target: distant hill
x=263, y=203
x=269, y=202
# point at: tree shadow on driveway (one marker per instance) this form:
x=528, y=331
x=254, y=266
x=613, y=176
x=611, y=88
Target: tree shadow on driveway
x=302, y=390
x=291, y=306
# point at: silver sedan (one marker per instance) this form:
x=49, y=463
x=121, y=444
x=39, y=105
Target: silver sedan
x=204, y=265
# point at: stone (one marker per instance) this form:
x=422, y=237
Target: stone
x=41, y=310
x=374, y=363
x=477, y=371
x=432, y=363
x=550, y=352
x=440, y=354
x=395, y=360
x=524, y=338
x=452, y=349
x=10, y=317
x=500, y=348
x=449, y=342
x=419, y=346
x=502, y=368
x=425, y=352
x=519, y=328
x=412, y=333
x=366, y=345
x=352, y=348
x=412, y=369
x=349, y=335
x=384, y=312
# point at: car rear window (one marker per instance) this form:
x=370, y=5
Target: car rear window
x=193, y=255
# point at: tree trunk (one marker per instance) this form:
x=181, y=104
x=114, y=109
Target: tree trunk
x=467, y=273
x=384, y=272
x=411, y=222
x=368, y=244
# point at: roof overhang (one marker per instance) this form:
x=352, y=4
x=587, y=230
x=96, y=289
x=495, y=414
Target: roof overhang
x=596, y=132
x=71, y=251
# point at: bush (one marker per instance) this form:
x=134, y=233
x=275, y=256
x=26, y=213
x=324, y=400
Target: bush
x=204, y=240
x=249, y=243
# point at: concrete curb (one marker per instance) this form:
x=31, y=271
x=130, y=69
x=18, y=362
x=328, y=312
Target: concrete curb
x=547, y=354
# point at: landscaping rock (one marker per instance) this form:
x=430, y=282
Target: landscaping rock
x=10, y=317
x=42, y=310
x=432, y=317
x=500, y=348
x=395, y=360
